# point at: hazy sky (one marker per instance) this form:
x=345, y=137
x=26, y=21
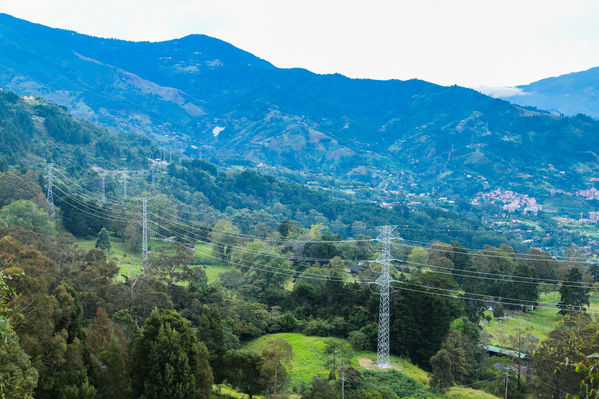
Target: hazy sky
x=467, y=42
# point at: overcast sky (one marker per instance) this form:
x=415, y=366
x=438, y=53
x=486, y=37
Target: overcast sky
x=466, y=42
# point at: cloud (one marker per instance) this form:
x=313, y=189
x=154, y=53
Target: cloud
x=501, y=92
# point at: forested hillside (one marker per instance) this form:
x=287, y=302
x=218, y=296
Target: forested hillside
x=83, y=154
x=201, y=91
x=233, y=256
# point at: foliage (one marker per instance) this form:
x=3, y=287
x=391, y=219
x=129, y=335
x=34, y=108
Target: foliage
x=574, y=296
x=442, y=370
x=26, y=214
x=170, y=374
x=243, y=371
x=212, y=333
x=103, y=241
x=277, y=355
x=162, y=330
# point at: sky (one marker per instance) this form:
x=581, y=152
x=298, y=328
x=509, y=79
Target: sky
x=476, y=43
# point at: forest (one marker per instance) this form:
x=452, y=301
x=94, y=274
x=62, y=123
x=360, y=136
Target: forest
x=241, y=270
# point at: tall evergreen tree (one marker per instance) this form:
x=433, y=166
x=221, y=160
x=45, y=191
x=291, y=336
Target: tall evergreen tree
x=103, y=241
x=574, y=297
x=211, y=332
x=143, y=355
x=170, y=374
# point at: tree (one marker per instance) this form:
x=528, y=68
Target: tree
x=573, y=295
x=558, y=360
x=277, y=354
x=337, y=351
x=211, y=332
x=223, y=237
x=149, y=348
x=3, y=165
x=27, y=215
x=113, y=380
x=18, y=378
x=171, y=267
x=132, y=237
x=321, y=389
x=103, y=241
x=243, y=371
x=461, y=350
x=170, y=375
x=100, y=335
x=231, y=279
x=442, y=370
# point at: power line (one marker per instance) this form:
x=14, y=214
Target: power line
x=454, y=272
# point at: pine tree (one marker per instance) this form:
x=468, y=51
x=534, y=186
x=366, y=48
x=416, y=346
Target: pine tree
x=100, y=335
x=170, y=375
x=103, y=241
x=144, y=355
x=211, y=332
x=573, y=296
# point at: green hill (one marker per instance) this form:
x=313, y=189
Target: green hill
x=309, y=361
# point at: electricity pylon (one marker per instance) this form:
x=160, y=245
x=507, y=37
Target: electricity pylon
x=125, y=184
x=144, y=238
x=103, y=189
x=384, y=282
x=50, y=194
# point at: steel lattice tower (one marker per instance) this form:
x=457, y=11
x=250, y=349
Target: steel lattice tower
x=103, y=189
x=125, y=184
x=144, y=238
x=50, y=194
x=384, y=281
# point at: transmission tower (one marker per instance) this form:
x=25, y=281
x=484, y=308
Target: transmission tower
x=103, y=189
x=144, y=238
x=50, y=194
x=384, y=281
x=125, y=184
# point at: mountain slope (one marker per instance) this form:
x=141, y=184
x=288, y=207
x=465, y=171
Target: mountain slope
x=204, y=92
x=568, y=94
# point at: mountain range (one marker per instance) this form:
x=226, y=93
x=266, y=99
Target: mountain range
x=198, y=94
x=570, y=94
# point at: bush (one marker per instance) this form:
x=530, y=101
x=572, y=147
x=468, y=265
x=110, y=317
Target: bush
x=498, y=311
x=357, y=339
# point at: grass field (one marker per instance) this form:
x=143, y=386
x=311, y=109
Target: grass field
x=213, y=271
x=309, y=358
x=539, y=322
x=126, y=261
x=468, y=393
x=129, y=262
x=309, y=361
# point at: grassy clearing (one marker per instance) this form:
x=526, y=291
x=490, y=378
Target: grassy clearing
x=213, y=272
x=468, y=393
x=539, y=322
x=126, y=261
x=309, y=358
x=309, y=361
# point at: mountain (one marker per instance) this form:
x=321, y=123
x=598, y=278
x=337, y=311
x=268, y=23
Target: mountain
x=570, y=94
x=202, y=92
x=34, y=132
